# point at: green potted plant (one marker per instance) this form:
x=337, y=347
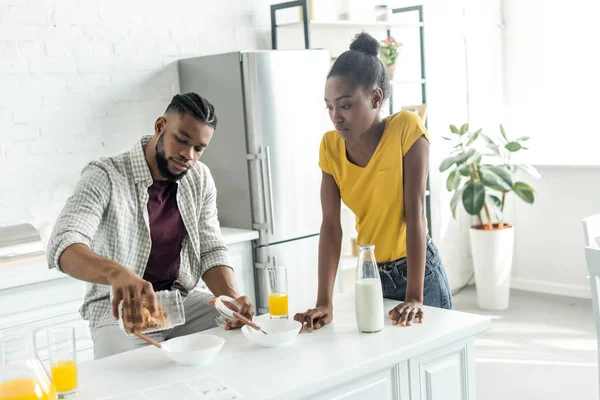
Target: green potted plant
x=388, y=53
x=483, y=189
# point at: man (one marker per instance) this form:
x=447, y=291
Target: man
x=143, y=221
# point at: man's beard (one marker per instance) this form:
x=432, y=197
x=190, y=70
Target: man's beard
x=163, y=164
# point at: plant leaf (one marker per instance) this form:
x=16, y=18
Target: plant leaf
x=455, y=200
x=491, y=180
x=495, y=148
x=488, y=139
x=474, y=137
x=524, y=191
x=465, y=170
x=530, y=169
x=453, y=129
x=473, y=197
x=463, y=129
x=475, y=158
x=453, y=180
x=503, y=132
x=448, y=162
x=513, y=146
x=495, y=199
x=503, y=172
x=446, y=138
x=457, y=159
x=522, y=139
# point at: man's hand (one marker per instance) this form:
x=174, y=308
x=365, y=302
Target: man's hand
x=247, y=311
x=133, y=290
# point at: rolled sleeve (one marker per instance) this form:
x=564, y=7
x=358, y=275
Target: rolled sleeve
x=78, y=221
x=214, y=251
x=61, y=244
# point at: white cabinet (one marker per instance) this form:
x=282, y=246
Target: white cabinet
x=240, y=255
x=379, y=385
x=446, y=374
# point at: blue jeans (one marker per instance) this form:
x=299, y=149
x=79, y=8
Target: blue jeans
x=436, y=290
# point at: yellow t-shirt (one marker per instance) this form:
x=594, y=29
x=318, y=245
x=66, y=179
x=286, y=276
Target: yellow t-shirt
x=375, y=193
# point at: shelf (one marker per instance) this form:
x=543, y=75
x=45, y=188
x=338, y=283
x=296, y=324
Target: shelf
x=354, y=24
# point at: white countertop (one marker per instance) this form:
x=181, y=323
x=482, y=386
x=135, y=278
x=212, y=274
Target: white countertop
x=332, y=355
x=26, y=273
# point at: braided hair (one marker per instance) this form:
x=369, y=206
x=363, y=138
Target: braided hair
x=194, y=105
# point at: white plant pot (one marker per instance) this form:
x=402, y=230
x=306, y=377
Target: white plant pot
x=492, y=252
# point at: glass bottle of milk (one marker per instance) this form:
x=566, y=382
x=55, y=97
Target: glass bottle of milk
x=368, y=293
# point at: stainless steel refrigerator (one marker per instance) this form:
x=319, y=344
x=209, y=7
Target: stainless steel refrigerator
x=264, y=155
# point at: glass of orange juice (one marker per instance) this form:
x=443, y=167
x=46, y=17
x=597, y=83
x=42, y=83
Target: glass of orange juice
x=278, y=292
x=63, y=363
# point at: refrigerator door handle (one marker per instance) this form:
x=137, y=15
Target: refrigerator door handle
x=270, y=188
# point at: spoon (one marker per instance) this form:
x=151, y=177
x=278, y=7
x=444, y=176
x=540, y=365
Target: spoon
x=248, y=322
x=151, y=341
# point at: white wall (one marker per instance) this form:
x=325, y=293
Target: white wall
x=552, y=80
x=552, y=86
x=549, y=254
x=83, y=79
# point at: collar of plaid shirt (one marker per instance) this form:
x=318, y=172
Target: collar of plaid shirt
x=139, y=165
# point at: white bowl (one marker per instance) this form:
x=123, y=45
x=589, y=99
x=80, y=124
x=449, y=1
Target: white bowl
x=280, y=332
x=193, y=349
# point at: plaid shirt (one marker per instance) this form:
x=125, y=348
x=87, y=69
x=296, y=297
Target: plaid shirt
x=108, y=213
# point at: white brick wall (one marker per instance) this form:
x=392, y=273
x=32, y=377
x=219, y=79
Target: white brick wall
x=81, y=79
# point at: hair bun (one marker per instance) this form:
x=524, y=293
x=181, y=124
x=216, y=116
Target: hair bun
x=365, y=43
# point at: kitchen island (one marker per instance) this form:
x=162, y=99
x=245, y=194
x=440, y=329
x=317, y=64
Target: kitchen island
x=434, y=360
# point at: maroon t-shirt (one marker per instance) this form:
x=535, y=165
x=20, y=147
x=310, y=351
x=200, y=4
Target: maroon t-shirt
x=167, y=232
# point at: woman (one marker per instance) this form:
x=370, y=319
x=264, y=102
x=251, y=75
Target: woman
x=378, y=167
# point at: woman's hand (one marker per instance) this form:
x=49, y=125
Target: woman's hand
x=407, y=312
x=315, y=318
